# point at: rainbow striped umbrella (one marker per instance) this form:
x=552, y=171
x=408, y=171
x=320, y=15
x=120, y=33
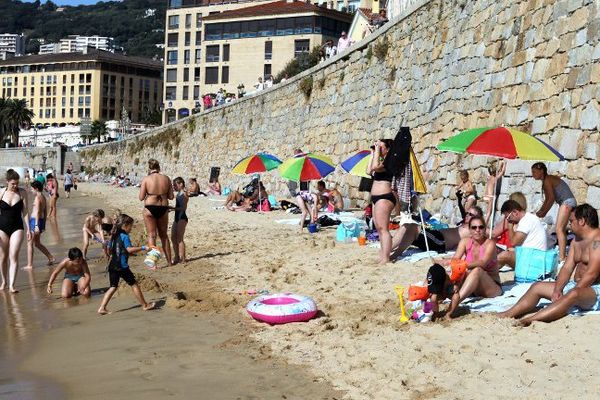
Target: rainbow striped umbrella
x=501, y=142
x=357, y=164
x=256, y=163
x=306, y=167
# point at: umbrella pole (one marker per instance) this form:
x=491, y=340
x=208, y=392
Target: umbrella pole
x=423, y=226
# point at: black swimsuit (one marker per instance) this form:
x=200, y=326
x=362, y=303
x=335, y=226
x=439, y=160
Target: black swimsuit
x=157, y=211
x=383, y=176
x=11, y=219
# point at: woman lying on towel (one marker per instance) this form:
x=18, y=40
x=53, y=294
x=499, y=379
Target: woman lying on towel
x=482, y=278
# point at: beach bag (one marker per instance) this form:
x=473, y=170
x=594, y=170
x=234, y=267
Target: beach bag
x=347, y=230
x=265, y=205
x=534, y=265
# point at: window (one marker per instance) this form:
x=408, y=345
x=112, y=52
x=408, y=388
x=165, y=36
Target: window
x=170, y=92
x=199, y=20
x=303, y=25
x=267, y=71
x=172, y=57
x=225, y=52
x=211, y=75
x=196, y=92
x=198, y=38
x=301, y=47
x=188, y=20
x=224, y=74
x=268, y=50
x=231, y=30
x=197, y=74
x=188, y=38
x=266, y=27
x=171, y=75
x=88, y=78
x=186, y=74
x=197, y=56
x=249, y=29
x=186, y=56
x=213, y=31
x=173, y=21
x=186, y=93
x=212, y=53
x=172, y=39
x=285, y=26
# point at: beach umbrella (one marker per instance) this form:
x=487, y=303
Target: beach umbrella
x=256, y=163
x=306, y=167
x=500, y=142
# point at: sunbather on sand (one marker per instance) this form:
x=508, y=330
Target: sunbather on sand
x=583, y=262
x=442, y=240
x=329, y=199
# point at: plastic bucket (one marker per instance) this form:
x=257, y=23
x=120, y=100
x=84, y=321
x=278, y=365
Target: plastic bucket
x=152, y=258
x=312, y=228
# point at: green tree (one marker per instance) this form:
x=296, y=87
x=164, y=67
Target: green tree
x=14, y=115
x=151, y=116
x=298, y=64
x=98, y=129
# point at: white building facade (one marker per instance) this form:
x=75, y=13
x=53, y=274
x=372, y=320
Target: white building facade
x=12, y=43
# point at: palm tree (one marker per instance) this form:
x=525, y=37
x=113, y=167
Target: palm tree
x=97, y=130
x=14, y=116
x=3, y=127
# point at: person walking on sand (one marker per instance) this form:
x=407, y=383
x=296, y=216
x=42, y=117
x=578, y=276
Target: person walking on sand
x=118, y=267
x=155, y=191
x=583, y=263
x=37, y=225
x=92, y=229
x=555, y=191
x=68, y=182
x=181, y=220
x=77, y=275
x=52, y=188
x=13, y=210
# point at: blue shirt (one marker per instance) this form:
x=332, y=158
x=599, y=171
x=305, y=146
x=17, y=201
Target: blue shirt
x=126, y=243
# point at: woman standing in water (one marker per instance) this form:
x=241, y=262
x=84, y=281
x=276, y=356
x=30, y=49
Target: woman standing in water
x=181, y=220
x=13, y=210
x=555, y=191
x=52, y=188
x=156, y=191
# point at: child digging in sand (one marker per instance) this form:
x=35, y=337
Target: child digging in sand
x=77, y=275
x=92, y=229
x=120, y=249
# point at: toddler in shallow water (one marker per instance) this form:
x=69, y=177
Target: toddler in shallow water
x=77, y=275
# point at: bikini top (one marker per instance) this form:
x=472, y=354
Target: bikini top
x=15, y=209
x=383, y=176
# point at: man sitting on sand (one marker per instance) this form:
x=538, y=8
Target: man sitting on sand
x=77, y=275
x=524, y=229
x=442, y=240
x=583, y=262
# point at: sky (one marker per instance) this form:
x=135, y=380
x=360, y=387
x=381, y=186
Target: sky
x=70, y=2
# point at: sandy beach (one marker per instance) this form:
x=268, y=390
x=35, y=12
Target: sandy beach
x=357, y=343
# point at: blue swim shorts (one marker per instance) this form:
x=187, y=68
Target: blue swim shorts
x=571, y=285
x=41, y=224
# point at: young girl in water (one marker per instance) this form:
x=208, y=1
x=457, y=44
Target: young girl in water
x=181, y=220
x=118, y=268
x=92, y=229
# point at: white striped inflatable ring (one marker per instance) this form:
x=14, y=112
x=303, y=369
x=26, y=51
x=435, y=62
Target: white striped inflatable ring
x=282, y=308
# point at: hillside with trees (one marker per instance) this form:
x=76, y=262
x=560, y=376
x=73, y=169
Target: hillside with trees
x=126, y=21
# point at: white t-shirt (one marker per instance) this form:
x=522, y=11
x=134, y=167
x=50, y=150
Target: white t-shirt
x=535, y=233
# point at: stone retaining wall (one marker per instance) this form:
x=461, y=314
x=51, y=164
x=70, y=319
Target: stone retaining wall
x=446, y=66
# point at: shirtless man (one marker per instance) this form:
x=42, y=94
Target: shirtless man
x=37, y=225
x=77, y=275
x=583, y=262
x=442, y=240
x=92, y=229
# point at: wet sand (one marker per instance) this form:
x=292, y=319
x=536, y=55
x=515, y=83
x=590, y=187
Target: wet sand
x=63, y=349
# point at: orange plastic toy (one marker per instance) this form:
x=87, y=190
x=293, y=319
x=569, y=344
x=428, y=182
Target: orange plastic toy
x=417, y=293
x=458, y=268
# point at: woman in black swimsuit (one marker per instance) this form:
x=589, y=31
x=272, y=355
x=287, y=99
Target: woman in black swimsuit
x=382, y=197
x=13, y=209
x=156, y=191
x=181, y=220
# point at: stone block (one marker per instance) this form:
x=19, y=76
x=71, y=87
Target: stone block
x=592, y=175
x=568, y=143
x=580, y=55
x=539, y=125
x=590, y=117
x=539, y=69
x=593, y=196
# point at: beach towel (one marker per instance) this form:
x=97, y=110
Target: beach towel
x=512, y=294
x=346, y=217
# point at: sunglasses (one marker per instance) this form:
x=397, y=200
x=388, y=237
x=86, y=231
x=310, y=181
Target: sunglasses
x=477, y=227
x=470, y=214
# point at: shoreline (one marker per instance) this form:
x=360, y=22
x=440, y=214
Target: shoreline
x=357, y=342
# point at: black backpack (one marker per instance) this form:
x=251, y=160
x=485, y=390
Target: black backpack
x=117, y=249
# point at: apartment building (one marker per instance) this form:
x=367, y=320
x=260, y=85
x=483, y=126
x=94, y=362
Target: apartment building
x=76, y=43
x=63, y=88
x=12, y=43
x=209, y=47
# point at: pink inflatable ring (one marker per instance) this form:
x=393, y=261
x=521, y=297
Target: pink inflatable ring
x=282, y=308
